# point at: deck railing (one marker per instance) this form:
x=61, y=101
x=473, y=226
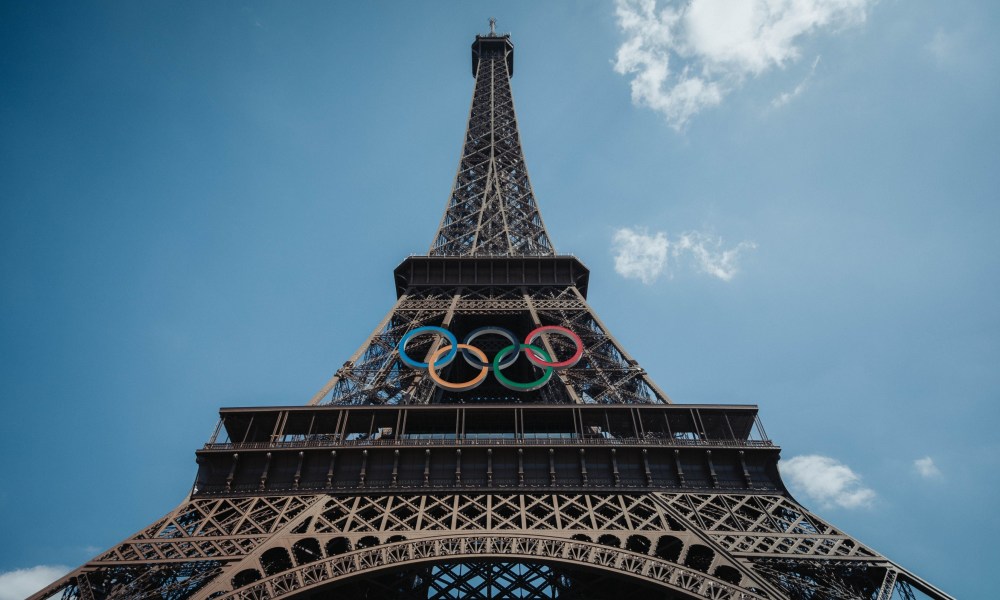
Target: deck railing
x=490, y=442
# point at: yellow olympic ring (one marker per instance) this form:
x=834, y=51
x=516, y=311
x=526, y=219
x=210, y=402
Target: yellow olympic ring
x=465, y=385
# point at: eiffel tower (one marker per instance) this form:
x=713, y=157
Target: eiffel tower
x=534, y=458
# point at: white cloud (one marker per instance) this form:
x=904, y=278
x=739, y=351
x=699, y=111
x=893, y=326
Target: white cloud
x=709, y=254
x=827, y=481
x=717, y=45
x=926, y=468
x=786, y=97
x=21, y=583
x=639, y=255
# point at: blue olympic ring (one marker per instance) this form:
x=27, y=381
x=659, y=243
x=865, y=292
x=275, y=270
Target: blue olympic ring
x=439, y=364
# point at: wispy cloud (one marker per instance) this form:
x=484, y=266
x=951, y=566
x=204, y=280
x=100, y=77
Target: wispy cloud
x=644, y=256
x=21, y=583
x=946, y=47
x=926, y=468
x=826, y=480
x=786, y=97
x=716, y=45
x=709, y=254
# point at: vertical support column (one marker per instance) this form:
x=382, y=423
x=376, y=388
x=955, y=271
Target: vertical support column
x=680, y=470
x=614, y=467
x=232, y=472
x=279, y=426
x=711, y=468
x=552, y=466
x=489, y=466
x=263, y=475
x=341, y=416
x=746, y=472
x=427, y=467
x=364, y=468
x=520, y=466
x=636, y=430
x=329, y=472
x=395, y=468
x=645, y=466
x=298, y=472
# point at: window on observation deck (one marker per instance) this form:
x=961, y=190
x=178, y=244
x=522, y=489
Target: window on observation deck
x=431, y=425
x=548, y=424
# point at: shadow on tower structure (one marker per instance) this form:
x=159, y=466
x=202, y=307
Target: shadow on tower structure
x=490, y=439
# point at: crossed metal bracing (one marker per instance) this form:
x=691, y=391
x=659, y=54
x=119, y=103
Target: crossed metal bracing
x=493, y=580
x=492, y=210
x=687, y=544
x=376, y=375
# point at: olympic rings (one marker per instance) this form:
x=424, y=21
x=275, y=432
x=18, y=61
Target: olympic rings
x=476, y=358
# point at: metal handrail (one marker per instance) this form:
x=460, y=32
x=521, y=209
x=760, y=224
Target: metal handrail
x=490, y=442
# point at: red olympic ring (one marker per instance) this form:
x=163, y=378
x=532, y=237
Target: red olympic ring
x=569, y=362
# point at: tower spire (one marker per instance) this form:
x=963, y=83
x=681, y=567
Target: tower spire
x=492, y=209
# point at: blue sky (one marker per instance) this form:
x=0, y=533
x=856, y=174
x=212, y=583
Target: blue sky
x=201, y=206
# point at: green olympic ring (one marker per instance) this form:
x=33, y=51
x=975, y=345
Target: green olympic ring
x=514, y=385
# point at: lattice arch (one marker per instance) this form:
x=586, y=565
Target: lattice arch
x=302, y=580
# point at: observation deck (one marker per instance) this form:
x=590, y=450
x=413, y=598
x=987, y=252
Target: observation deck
x=487, y=447
x=464, y=271
x=489, y=44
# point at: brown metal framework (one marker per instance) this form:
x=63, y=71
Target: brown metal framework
x=386, y=485
x=492, y=210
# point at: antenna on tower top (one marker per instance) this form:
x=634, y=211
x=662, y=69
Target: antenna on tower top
x=493, y=25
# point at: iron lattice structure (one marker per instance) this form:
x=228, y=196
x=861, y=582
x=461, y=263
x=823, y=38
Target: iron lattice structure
x=492, y=210
x=388, y=484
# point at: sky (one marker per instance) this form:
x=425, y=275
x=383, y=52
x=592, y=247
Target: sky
x=792, y=205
